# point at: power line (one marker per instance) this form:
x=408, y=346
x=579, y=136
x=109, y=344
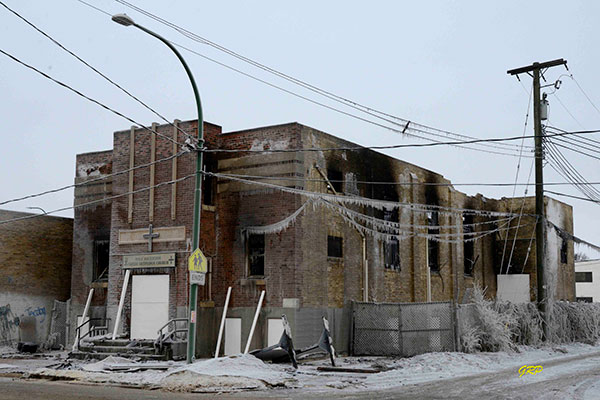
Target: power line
x=567, y=110
x=300, y=179
x=570, y=172
x=350, y=103
x=573, y=196
x=91, y=181
x=89, y=203
x=395, y=146
x=363, y=201
x=94, y=69
x=406, y=128
x=77, y=92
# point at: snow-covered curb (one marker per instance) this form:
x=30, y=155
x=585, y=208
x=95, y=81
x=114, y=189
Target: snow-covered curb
x=245, y=372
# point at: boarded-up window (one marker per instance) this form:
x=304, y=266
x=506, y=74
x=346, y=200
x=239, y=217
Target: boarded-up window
x=583, y=277
x=335, y=247
x=256, y=255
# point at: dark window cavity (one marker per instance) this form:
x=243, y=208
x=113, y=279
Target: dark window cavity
x=336, y=179
x=583, y=277
x=256, y=255
x=468, y=245
x=563, y=251
x=209, y=185
x=432, y=243
x=391, y=246
x=101, y=259
x=335, y=247
x=585, y=299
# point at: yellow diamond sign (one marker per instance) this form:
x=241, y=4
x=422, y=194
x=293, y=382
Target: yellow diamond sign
x=197, y=262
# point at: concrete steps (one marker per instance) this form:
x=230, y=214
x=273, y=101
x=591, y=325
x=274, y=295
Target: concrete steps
x=102, y=348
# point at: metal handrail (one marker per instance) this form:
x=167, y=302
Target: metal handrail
x=92, y=328
x=162, y=337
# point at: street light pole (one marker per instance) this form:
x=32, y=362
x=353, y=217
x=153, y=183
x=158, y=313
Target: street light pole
x=125, y=20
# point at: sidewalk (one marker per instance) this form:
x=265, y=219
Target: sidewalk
x=245, y=372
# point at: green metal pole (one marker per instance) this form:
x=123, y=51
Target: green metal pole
x=191, y=346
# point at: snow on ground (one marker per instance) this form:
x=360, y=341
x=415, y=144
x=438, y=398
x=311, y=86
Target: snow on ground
x=435, y=366
x=245, y=372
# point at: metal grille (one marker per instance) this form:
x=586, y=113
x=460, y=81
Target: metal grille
x=402, y=329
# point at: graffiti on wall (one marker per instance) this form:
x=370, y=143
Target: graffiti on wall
x=8, y=325
x=9, y=322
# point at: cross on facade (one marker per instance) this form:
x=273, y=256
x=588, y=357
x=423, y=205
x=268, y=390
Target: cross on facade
x=150, y=235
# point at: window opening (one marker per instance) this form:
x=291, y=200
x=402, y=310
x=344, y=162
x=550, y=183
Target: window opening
x=256, y=255
x=468, y=245
x=391, y=247
x=101, y=259
x=432, y=244
x=335, y=247
x=336, y=179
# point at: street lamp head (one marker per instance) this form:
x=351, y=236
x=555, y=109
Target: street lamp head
x=123, y=19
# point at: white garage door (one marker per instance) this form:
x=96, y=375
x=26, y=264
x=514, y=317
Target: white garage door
x=233, y=336
x=149, y=305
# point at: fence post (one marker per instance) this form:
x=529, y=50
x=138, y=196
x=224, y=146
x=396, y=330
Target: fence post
x=455, y=326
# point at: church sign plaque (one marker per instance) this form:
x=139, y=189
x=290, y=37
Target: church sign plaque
x=156, y=260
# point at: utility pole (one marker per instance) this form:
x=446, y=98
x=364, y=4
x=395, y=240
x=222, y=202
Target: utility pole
x=536, y=70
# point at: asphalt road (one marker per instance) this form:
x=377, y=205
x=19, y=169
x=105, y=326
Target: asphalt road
x=573, y=378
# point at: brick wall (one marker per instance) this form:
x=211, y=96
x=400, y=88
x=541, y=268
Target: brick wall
x=35, y=255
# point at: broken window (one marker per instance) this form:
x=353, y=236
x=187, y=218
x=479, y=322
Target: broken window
x=432, y=243
x=101, y=260
x=585, y=299
x=563, y=251
x=336, y=179
x=335, y=247
x=583, y=277
x=256, y=255
x=391, y=247
x=468, y=245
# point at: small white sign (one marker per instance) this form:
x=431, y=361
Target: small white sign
x=197, y=278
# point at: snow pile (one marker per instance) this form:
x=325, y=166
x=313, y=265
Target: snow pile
x=435, y=366
x=107, y=362
x=243, y=371
x=6, y=366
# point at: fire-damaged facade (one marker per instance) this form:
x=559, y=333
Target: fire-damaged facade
x=287, y=210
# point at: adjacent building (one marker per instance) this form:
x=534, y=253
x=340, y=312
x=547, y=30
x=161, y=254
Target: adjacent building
x=587, y=278
x=35, y=274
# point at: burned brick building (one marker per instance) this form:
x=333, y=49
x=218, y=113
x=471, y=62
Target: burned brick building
x=315, y=229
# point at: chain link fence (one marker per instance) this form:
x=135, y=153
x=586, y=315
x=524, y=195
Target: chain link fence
x=402, y=329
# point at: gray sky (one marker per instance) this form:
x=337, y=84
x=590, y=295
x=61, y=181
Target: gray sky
x=439, y=63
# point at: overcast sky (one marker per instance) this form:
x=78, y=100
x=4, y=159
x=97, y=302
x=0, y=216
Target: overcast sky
x=439, y=63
